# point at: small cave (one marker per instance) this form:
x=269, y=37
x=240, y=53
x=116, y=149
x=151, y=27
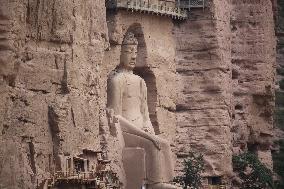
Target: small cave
x=235, y=74
x=32, y=157
x=252, y=147
x=261, y=99
x=79, y=165
x=5, y=129
x=243, y=146
x=233, y=28
x=181, y=108
x=215, y=180
x=267, y=114
x=238, y=107
x=10, y=79
x=64, y=81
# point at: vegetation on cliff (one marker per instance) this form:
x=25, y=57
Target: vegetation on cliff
x=191, y=173
x=253, y=173
x=278, y=155
x=278, y=165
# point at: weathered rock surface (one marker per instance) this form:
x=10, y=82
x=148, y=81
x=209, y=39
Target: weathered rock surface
x=280, y=40
x=50, y=69
x=226, y=74
x=253, y=75
x=204, y=87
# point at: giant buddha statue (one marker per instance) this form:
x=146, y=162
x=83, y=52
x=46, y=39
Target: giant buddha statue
x=127, y=97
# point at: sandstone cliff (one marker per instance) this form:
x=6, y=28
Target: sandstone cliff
x=204, y=94
x=50, y=69
x=226, y=73
x=253, y=74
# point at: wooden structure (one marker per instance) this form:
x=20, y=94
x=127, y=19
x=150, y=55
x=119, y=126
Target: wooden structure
x=189, y=4
x=176, y=9
x=88, y=170
x=161, y=8
x=215, y=187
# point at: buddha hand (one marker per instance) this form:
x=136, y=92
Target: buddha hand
x=156, y=143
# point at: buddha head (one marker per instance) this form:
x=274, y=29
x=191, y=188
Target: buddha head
x=128, y=51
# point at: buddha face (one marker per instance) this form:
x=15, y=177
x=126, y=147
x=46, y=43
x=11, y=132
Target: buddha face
x=128, y=56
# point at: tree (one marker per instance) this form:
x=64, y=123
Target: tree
x=193, y=167
x=278, y=165
x=281, y=84
x=253, y=174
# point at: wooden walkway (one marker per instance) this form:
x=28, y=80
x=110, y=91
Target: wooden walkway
x=143, y=6
x=90, y=179
x=188, y=4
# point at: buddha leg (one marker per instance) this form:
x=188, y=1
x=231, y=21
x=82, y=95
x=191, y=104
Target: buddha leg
x=166, y=157
x=159, y=166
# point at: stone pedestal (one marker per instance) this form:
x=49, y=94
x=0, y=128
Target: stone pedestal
x=134, y=166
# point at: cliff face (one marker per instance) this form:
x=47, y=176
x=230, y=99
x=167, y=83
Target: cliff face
x=204, y=93
x=226, y=73
x=50, y=102
x=253, y=75
x=55, y=62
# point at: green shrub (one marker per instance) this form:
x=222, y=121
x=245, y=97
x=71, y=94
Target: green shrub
x=278, y=165
x=281, y=84
x=281, y=7
x=279, y=101
x=279, y=118
x=253, y=174
x=280, y=71
x=191, y=177
x=279, y=111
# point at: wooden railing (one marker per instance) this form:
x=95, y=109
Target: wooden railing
x=90, y=178
x=147, y=7
x=215, y=187
x=81, y=175
x=188, y=4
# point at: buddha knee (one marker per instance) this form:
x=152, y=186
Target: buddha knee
x=164, y=144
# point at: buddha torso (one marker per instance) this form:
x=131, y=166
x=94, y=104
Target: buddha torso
x=132, y=91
